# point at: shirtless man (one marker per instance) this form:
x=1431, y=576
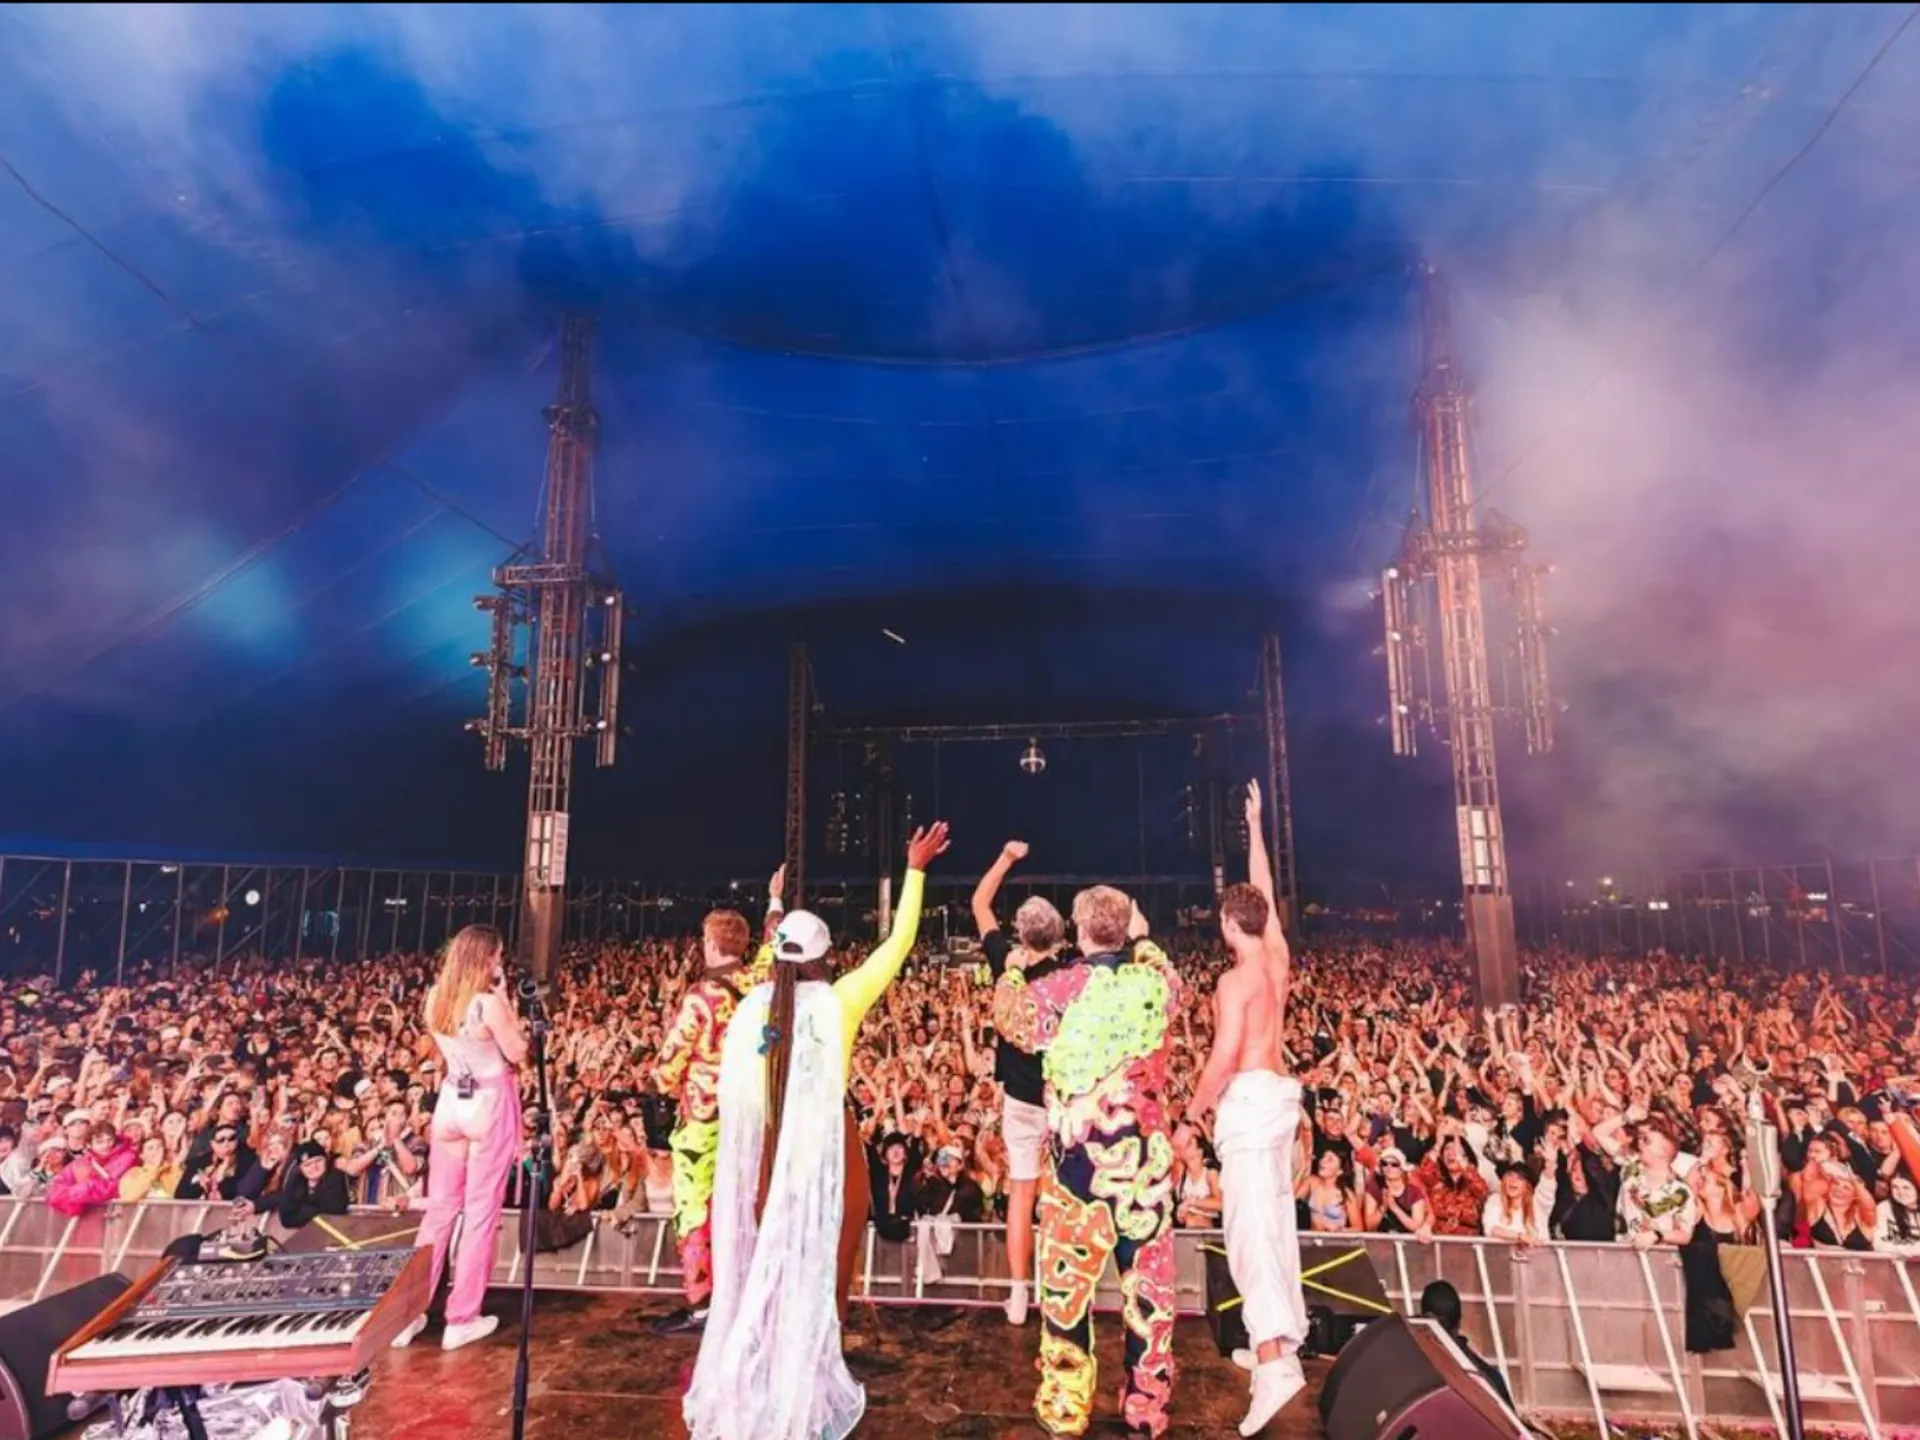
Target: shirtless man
x=1259, y=1113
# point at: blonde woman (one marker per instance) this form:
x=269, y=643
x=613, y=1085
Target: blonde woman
x=475, y=1135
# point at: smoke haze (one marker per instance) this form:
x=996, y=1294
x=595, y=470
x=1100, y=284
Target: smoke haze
x=1703, y=410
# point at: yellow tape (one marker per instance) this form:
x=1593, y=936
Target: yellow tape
x=347, y=1242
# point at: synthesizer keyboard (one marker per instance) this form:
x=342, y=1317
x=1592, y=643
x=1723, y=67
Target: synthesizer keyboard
x=280, y=1317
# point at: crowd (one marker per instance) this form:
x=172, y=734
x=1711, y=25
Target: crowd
x=1611, y=1105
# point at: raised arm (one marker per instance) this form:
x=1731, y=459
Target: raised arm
x=1260, y=875
x=776, y=904
x=1011, y=854
x=859, y=989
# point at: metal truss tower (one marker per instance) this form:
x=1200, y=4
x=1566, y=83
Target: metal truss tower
x=1438, y=584
x=562, y=600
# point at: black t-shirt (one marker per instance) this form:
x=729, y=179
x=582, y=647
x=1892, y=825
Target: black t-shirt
x=1017, y=1070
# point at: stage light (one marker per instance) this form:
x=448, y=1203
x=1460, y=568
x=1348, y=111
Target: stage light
x=1033, y=760
x=252, y=897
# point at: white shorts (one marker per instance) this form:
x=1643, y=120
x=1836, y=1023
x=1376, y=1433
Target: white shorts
x=1024, y=1127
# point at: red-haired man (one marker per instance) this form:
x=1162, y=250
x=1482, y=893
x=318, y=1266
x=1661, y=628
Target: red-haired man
x=689, y=1070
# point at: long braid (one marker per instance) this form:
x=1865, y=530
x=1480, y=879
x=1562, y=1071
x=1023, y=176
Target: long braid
x=779, y=1066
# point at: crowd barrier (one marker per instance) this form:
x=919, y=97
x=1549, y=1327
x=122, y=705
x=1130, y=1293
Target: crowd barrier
x=1580, y=1331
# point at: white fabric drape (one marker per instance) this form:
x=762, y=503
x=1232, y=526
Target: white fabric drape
x=770, y=1366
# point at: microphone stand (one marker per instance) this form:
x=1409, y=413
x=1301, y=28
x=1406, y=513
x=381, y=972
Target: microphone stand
x=1763, y=1144
x=530, y=1199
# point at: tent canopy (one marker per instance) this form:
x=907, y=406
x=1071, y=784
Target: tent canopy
x=1074, y=344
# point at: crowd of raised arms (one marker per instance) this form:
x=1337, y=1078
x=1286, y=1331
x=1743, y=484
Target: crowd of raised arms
x=1611, y=1105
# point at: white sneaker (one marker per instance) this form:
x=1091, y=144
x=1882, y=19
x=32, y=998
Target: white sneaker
x=459, y=1335
x=1274, y=1385
x=412, y=1333
x=1017, y=1304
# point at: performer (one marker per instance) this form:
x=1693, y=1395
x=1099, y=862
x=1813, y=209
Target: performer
x=476, y=1126
x=1023, y=1115
x=1104, y=1025
x=688, y=1068
x=790, y=1187
x=1254, y=1132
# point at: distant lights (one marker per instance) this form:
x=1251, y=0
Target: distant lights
x=1033, y=759
x=252, y=897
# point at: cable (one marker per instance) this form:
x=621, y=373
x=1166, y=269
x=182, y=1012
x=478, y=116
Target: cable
x=1605, y=373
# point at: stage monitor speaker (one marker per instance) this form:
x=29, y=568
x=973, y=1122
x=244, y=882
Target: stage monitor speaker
x=1407, y=1380
x=28, y=1338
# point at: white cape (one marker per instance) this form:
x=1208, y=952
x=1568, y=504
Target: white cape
x=770, y=1366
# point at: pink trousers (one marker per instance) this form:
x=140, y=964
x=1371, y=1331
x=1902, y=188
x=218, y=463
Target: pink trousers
x=474, y=1144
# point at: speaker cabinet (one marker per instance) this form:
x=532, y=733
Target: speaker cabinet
x=1407, y=1380
x=28, y=1338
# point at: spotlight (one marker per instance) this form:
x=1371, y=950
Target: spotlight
x=1033, y=760
x=252, y=897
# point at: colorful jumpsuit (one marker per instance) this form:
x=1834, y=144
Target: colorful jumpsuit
x=689, y=1070
x=1103, y=1026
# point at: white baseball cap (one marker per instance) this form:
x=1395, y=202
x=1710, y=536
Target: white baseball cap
x=802, y=936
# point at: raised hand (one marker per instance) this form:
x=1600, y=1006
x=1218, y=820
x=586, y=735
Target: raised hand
x=1014, y=850
x=777, y=886
x=927, y=845
x=1253, y=801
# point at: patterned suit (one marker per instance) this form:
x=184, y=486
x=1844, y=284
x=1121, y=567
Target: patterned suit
x=1103, y=1026
x=689, y=1070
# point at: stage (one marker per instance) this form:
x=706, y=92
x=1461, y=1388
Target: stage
x=599, y=1374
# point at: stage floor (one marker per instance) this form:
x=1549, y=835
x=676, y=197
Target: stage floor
x=599, y=1374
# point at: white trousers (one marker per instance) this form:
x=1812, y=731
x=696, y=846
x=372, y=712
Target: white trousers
x=1253, y=1133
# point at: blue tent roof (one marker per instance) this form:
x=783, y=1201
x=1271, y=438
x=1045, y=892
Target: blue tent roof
x=963, y=314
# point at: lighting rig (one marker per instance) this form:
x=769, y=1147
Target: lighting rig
x=554, y=653
x=807, y=725
x=1433, y=598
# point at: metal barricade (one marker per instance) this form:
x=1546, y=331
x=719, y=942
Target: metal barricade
x=1581, y=1331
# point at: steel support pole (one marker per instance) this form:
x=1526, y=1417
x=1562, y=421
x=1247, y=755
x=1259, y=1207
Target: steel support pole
x=179, y=913
x=126, y=906
x=426, y=903
x=799, y=715
x=60, y=944
x=1139, y=803
x=226, y=912
x=339, y=914
x=1833, y=914
x=1879, y=923
x=883, y=820
x=493, y=906
x=1279, y=785
x=300, y=918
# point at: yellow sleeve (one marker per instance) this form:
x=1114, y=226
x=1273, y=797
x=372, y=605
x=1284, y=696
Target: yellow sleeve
x=861, y=989
x=760, y=968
